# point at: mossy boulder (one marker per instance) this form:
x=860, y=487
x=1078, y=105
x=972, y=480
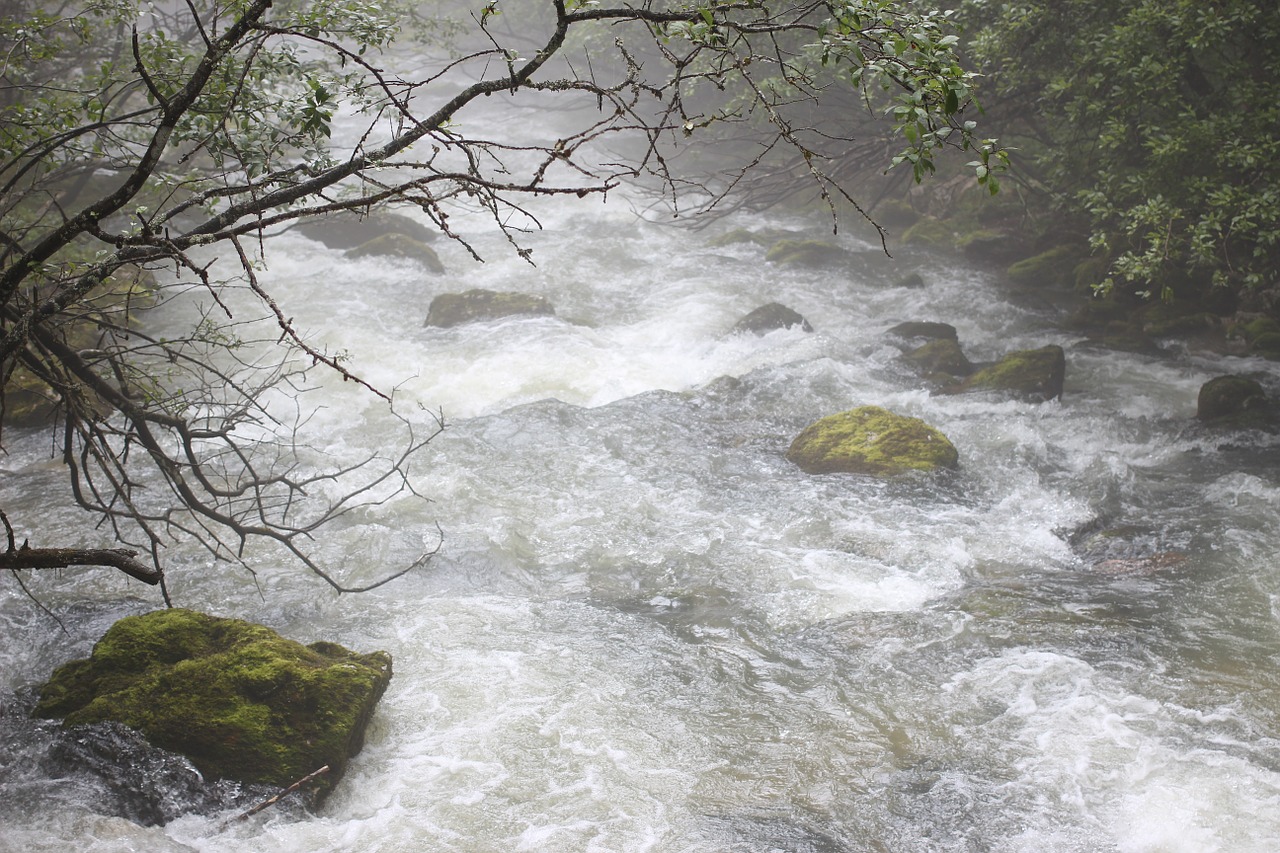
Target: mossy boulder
x=473, y=306
x=931, y=233
x=940, y=356
x=766, y=318
x=1236, y=402
x=1266, y=345
x=871, y=440
x=1035, y=374
x=399, y=246
x=1055, y=267
x=237, y=699
x=806, y=253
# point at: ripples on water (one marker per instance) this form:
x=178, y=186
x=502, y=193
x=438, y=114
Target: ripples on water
x=648, y=631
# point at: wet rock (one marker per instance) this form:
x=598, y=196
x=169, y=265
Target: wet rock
x=1113, y=548
x=1236, y=402
x=807, y=253
x=399, y=246
x=912, y=280
x=941, y=356
x=926, y=330
x=1035, y=375
x=1148, y=565
x=1262, y=335
x=349, y=229
x=871, y=440
x=473, y=306
x=237, y=699
x=766, y=318
x=108, y=769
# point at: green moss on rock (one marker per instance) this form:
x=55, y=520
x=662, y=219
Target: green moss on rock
x=1053, y=268
x=472, y=306
x=805, y=253
x=871, y=440
x=930, y=232
x=236, y=698
x=1036, y=374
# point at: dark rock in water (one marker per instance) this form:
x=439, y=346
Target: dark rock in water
x=926, y=330
x=911, y=280
x=871, y=440
x=399, y=246
x=766, y=318
x=1236, y=402
x=236, y=698
x=940, y=356
x=1123, y=549
x=110, y=769
x=473, y=306
x=349, y=229
x=1036, y=375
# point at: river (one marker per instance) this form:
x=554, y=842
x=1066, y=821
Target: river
x=647, y=631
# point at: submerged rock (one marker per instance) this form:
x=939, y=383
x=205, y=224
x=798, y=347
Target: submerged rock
x=1035, y=374
x=237, y=699
x=766, y=318
x=399, y=246
x=473, y=306
x=871, y=440
x=349, y=229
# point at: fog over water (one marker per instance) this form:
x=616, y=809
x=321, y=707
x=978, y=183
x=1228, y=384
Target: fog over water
x=648, y=631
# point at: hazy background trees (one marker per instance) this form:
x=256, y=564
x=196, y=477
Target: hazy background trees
x=1152, y=126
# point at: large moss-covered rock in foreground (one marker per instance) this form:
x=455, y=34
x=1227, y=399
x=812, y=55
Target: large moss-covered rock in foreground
x=237, y=699
x=473, y=306
x=871, y=440
x=1034, y=374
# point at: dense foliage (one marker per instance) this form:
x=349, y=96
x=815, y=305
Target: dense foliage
x=1153, y=122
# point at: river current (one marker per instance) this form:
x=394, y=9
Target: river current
x=647, y=631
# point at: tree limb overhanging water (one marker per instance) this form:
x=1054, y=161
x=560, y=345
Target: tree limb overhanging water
x=158, y=142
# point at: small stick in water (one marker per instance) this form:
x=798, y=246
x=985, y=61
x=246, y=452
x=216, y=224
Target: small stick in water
x=271, y=801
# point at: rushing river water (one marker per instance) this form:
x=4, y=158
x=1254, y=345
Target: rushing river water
x=647, y=631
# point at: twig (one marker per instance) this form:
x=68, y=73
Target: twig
x=271, y=801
